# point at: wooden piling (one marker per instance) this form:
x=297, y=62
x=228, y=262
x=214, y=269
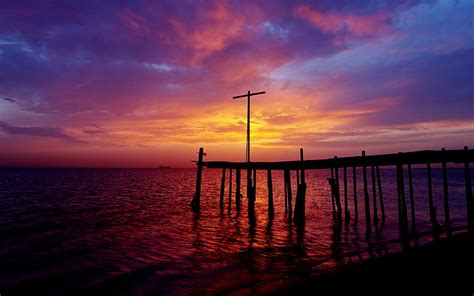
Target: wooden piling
x=374, y=196
x=238, y=194
x=288, y=189
x=433, y=219
x=447, y=220
x=346, y=204
x=196, y=201
x=379, y=183
x=270, y=193
x=303, y=179
x=285, y=190
x=412, y=198
x=402, y=222
x=331, y=187
x=230, y=191
x=221, y=197
x=366, y=194
x=354, y=183
x=250, y=195
x=403, y=205
x=468, y=184
x=337, y=193
x=299, y=217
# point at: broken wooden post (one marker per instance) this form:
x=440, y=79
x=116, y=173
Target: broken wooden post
x=379, y=183
x=221, y=199
x=354, y=183
x=300, y=196
x=337, y=194
x=196, y=201
x=346, y=204
x=412, y=198
x=238, y=194
x=270, y=193
x=366, y=192
x=467, y=181
x=447, y=220
x=230, y=191
x=433, y=218
x=374, y=196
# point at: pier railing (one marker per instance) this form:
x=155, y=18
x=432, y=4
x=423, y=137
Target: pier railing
x=403, y=162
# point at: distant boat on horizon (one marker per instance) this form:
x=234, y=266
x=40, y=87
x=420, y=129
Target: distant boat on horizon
x=164, y=167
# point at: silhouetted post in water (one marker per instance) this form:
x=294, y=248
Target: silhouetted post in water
x=237, y=189
x=412, y=198
x=270, y=193
x=221, y=199
x=254, y=188
x=366, y=193
x=196, y=201
x=337, y=194
x=374, y=196
x=300, y=196
x=447, y=220
x=331, y=186
x=288, y=190
x=346, y=205
x=354, y=183
x=379, y=182
x=467, y=181
x=402, y=208
x=230, y=190
x=433, y=219
x=250, y=193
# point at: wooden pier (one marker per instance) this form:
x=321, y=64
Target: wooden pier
x=402, y=162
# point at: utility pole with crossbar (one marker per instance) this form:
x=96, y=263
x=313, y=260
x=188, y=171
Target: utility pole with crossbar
x=248, y=95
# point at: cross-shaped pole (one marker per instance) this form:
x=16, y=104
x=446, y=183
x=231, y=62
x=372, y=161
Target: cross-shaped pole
x=248, y=95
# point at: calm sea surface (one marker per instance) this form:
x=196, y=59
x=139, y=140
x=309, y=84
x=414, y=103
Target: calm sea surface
x=132, y=231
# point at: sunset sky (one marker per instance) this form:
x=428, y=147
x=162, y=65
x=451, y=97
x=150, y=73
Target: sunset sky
x=146, y=83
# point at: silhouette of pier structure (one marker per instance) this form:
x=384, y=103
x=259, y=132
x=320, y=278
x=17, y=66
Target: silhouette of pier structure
x=373, y=199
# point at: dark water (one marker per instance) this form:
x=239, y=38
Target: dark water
x=123, y=231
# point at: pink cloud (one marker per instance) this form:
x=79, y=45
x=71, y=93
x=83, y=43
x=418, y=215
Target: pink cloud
x=336, y=22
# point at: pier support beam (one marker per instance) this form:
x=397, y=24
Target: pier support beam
x=230, y=191
x=469, y=201
x=379, y=183
x=238, y=194
x=402, y=206
x=346, y=204
x=337, y=194
x=447, y=220
x=374, y=196
x=250, y=194
x=300, y=196
x=221, y=196
x=287, y=176
x=366, y=194
x=433, y=219
x=354, y=183
x=196, y=201
x=331, y=186
x=270, y=194
x=412, y=198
